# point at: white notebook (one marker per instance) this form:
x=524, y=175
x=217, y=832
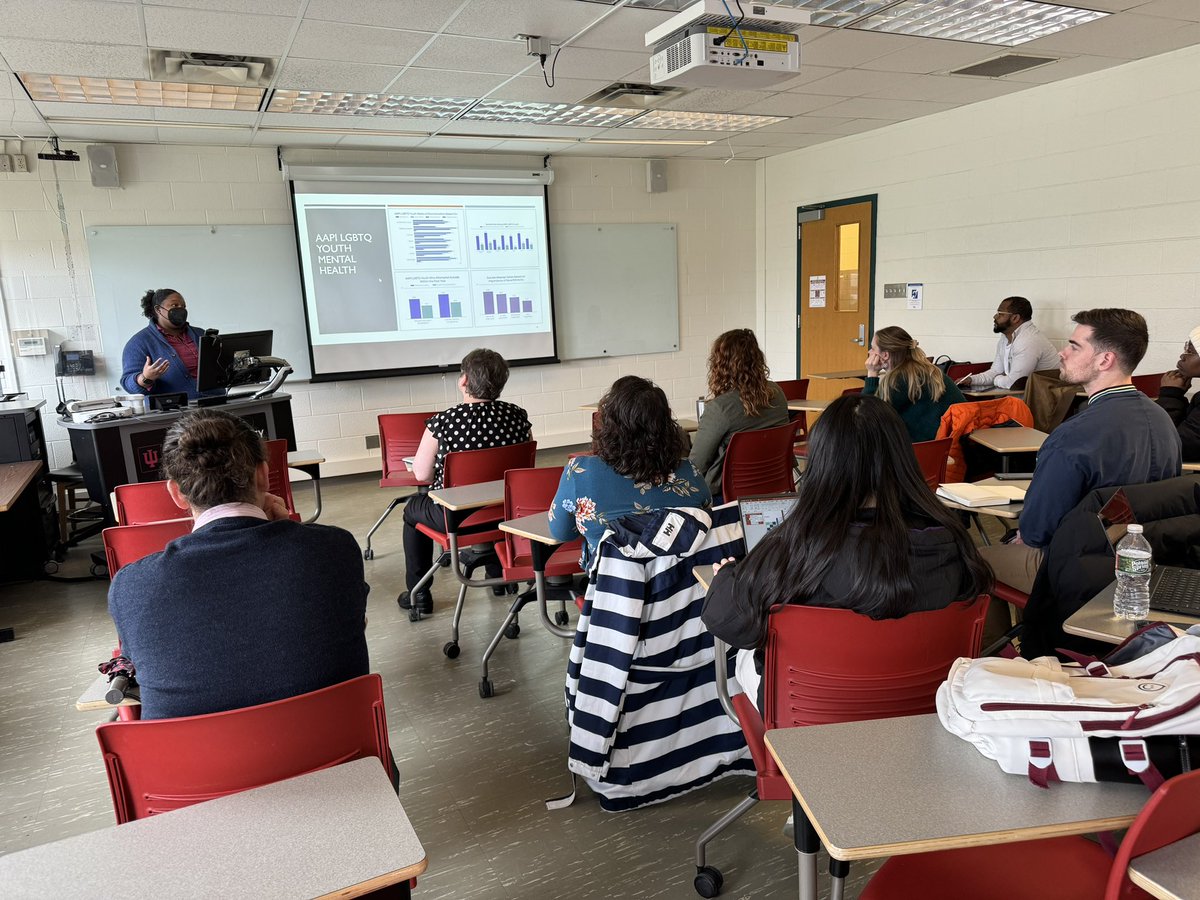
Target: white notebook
x=966, y=494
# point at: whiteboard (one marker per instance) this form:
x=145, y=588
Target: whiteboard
x=234, y=278
x=616, y=289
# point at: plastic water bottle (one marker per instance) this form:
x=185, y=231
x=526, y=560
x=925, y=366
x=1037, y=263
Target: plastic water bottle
x=1132, y=597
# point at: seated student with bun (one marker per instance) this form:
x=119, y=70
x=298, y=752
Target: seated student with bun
x=898, y=372
x=250, y=607
x=743, y=399
x=866, y=534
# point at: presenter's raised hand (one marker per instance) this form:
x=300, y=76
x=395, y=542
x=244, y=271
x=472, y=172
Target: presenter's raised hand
x=153, y=370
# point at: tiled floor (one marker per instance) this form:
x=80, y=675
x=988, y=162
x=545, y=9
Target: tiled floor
x=475, y=772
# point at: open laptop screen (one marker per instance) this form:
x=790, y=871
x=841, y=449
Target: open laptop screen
x=760, y=514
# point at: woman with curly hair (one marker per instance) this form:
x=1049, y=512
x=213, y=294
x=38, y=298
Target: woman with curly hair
x=901, y=374
x=743, y=399
x=638, y=466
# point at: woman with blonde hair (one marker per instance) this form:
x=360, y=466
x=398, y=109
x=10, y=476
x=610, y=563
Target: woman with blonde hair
x=743, y=399
x=900, y=373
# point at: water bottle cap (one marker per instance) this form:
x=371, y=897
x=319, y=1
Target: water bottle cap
x=1134, y=529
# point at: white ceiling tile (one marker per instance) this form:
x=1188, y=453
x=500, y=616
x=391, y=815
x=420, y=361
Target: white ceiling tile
x=207, y=116
x=124, y=134
x=88, y=21
x=222, y=136
x=1188, y=10
x=721, y=151
x=441, y=143
x=629, y=132
x=808, y=74
x=414, y=15
x=1068, y=67
x=491, y=19
x=326, y=75
x=200, y=30
x=67, y=58
x=533, y=87
x=262, y=7
x=351, y=123
x=858, y=126
x=961, y=88
x=808, y=125
x=714, y=100
x=356, y=43
x=418, y=82
x=758, y=138
x=56, y=109
x=611, y=65
x=929, y=55
x=376, y=141
x=269, y=138
x=1129, y=36
x=517, y=129
x=1111, y=5
x=790, y=104
x=849, y=49
x=475, y=55
x=869, y=108
x=625, y=30
x=531, y=145
x=857, y=82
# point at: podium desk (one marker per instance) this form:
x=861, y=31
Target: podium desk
x=126, y=451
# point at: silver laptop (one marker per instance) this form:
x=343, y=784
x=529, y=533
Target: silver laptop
x=760, y=514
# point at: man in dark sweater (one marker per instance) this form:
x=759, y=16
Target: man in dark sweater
x=1120, y=438
x=1172, y=396
x=248, y=608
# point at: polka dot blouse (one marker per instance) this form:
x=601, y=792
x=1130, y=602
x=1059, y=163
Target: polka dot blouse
x=476, y=426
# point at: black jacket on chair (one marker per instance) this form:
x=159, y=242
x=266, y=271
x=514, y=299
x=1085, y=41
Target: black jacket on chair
x=1079, y=562
x=1186, y=417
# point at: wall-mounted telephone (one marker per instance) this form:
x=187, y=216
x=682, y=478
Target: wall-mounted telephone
x=75, y=362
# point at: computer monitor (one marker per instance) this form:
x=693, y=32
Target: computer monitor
x=217, y=353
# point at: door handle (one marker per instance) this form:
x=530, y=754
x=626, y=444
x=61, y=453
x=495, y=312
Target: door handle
x=861, y=340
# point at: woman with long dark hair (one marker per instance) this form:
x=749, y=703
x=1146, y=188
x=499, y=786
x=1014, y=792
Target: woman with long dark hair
x=638, y=466
x=899, y=372
x=866, y=534
x=743, y=399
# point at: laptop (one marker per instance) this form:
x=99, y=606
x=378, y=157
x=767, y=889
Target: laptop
x=760, y=514
x=1173, y=589
x=699, y=409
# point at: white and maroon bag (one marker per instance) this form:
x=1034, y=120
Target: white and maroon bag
x=1133, y=716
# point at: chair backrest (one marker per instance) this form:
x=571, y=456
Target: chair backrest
x=528, y=491
x=137, y=504
x=932, y=457
x=278, y=481
x=157, y=765
x=962, y=370
x=796, y=389
x=1149, y=384
x=1171, y=814
x=850, y=392
x=759, y=462
x=475, y=466
x=125, y=544
x=399, y=437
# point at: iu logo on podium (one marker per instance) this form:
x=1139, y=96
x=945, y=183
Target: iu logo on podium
x=150, y=457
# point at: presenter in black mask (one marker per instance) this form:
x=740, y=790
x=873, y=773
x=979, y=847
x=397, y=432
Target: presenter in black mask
x=162, y=357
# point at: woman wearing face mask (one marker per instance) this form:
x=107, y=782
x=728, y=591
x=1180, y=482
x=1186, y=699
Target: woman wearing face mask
x=162, y=357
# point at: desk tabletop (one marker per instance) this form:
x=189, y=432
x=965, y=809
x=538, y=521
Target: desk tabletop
x=339, y=832
x=1171, y=872
x=1010, y=440
x=1002, y=511
x=26, y=405
x=906, y=785
x=990, y=393
x=470, y=496
x=833, y=376
x=1095, y=619
x=93, y=697
x=14, y=478
x=703, y=575
x=1191, y=467
x=808, y=405
x=535, y=528
x=298, y=458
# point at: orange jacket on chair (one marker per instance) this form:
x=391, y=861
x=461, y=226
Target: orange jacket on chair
x=963, y=418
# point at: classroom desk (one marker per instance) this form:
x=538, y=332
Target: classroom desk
x=890, y=787
x=338, y=832
x=834, y=376
x=1095, y=619
x=1191, y=467
x=703, y=576
x=309, y=463
x=991, y=393
x=1171, y=872
x=1007, y=441
x=542, y=544
x=808, y=405
x=93, y=698
x=14, y=479
x=469, y=496
x=18, y=496
x=1007, y=511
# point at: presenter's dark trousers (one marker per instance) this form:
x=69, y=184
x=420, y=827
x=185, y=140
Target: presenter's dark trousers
x=418, y=549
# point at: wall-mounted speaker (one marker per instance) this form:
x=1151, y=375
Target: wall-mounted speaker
x=656, y=176
x=102, y=164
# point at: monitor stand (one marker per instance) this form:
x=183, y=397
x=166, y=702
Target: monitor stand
x=212, y=401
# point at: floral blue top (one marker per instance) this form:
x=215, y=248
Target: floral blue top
x=591, y=494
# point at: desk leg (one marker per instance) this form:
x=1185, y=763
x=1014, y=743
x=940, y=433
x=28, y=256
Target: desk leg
x=807, y=845
x=838, y=870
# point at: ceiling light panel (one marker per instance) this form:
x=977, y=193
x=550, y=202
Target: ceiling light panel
x=1004, y=22
x=130, y=92
x=344, y=103
x=698, y=121
x=548, y=113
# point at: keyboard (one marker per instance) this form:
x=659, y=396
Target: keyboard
x=1176, y=590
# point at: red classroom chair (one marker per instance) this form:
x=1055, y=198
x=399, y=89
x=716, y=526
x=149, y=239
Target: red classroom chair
x=832, y=665
x=157, y=765
x=1069, y=868
x=797, y=389
x=125, y=544
x=962, y=370
x=1150, y=385
x=278, y=482
x=759, y=462
x=1015, y=598
x=399, y=437
x=138, y=504
x=932, y=457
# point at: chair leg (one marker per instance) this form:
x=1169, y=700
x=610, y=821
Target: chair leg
x=368, y=553
x=1007, y=638
x=414, y=614
x=721, y=824
x=513, y=610
x=458, y=611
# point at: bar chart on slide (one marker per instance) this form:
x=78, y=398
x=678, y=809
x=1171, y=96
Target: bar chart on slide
x=493, y=243
x=426, y=238
x=495, y=303
x=445, y=309
x=503, y=237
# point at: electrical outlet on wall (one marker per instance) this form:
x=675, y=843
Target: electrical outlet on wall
x=6, y=163
x=20, y=163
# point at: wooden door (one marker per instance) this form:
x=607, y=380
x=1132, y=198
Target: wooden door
x=835, y=295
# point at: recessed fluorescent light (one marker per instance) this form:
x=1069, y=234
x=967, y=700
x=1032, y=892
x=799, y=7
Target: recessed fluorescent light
x=699, y=121
x=548, y=113
x=344, y=103
x=131, y=92
x=668, y=142
x=1004, y=22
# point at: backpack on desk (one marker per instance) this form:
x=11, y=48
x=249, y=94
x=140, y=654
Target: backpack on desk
x=1133, y=716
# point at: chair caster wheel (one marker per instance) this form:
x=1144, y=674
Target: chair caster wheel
x=512, y=630
x=450, y=649
x=486, y=688
x=708, y=881
x=561, y=618
x=444, y=560
x=368, y=553
x=50, y=567
x=98, y=571
x=414, y=615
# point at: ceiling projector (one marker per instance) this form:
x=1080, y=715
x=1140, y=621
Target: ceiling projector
x=703, y=46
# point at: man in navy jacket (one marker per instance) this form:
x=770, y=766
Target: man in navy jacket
x=1121, y=437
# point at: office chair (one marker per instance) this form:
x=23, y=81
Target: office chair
x=759, y=462
x=139, y=504
x=125, y=544
x=278, y=482
x=399, y=437
x=833, y=665
x=1149, y=384
x=158, y=765
x=962, y=370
